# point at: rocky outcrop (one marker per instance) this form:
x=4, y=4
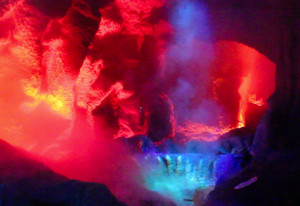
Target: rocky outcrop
x=237, y=142
x=269, y=183
x=24, y=181
x=272, y=28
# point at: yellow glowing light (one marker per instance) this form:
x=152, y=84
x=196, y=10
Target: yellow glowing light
x=57, y=103
x=241, y=119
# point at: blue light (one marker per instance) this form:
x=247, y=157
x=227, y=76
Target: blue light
x=189, y=18
x=178, y=175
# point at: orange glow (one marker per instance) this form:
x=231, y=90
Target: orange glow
x=241, y=119
x=244, y=92
x=258, y=80
x=252, y=99
x=199, y=131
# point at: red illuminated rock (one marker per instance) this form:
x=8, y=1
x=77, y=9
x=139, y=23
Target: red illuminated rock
x=110, y=59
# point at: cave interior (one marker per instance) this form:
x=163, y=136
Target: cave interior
x=156, y=102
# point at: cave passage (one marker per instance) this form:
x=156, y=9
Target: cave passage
x=166, y=97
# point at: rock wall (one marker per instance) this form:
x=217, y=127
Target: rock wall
x=271, y=27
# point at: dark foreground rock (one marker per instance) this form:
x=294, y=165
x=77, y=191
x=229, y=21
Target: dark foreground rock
x=237, y=142
x=271, y=182
x=26, y=182
x=70, y=192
